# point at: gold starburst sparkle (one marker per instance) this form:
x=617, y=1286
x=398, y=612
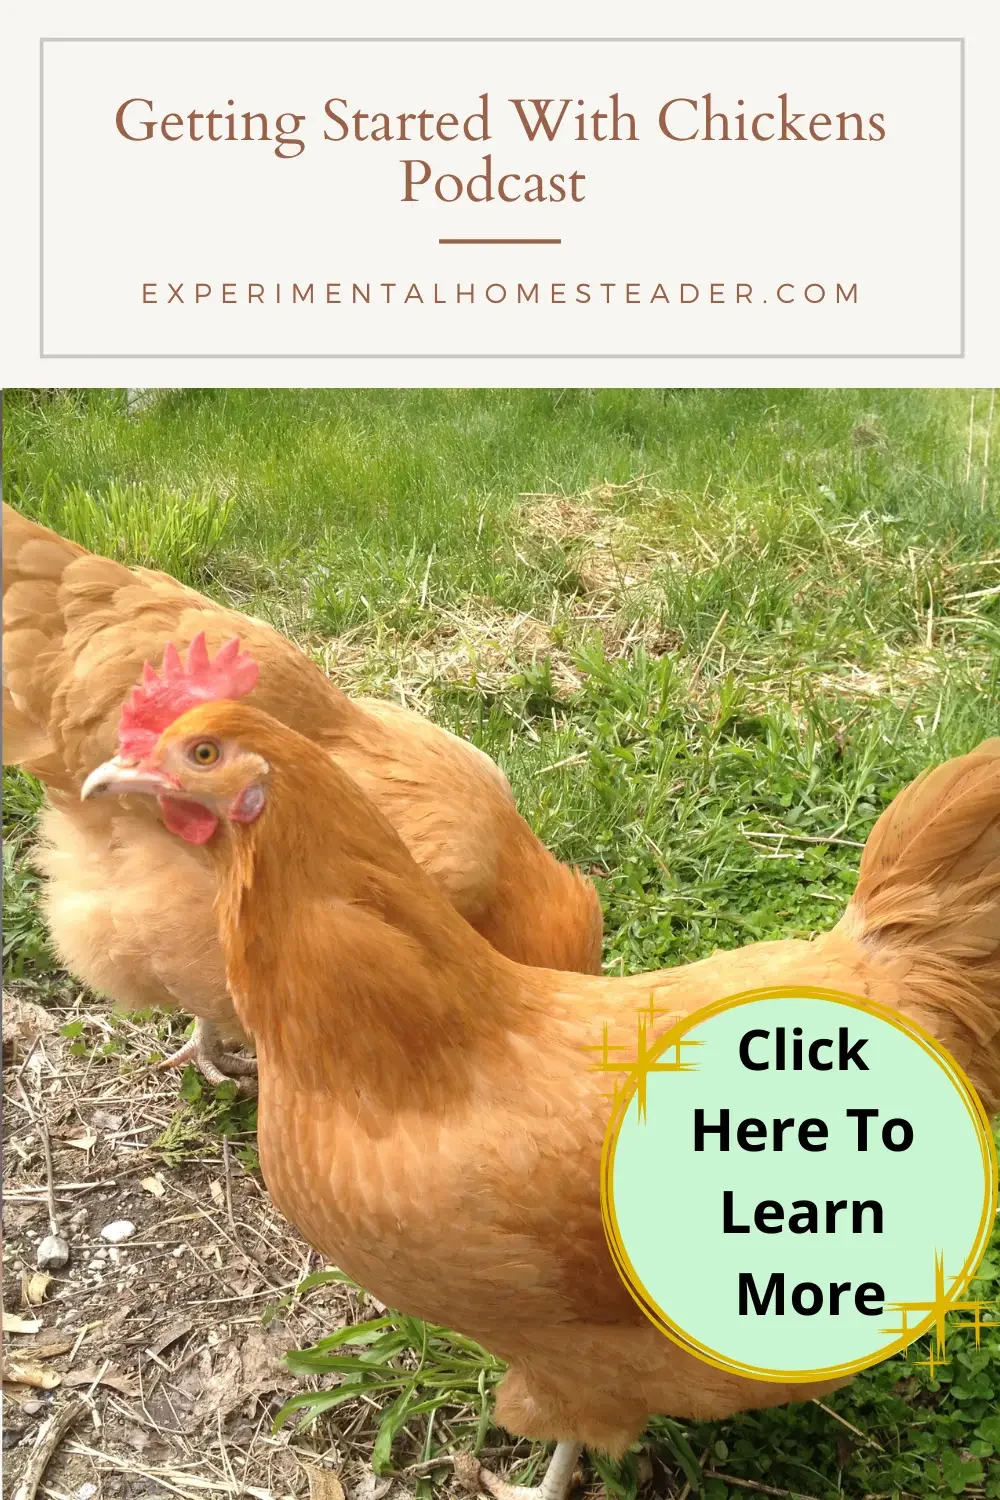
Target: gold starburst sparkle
x=938, y=1306
x=636, y=1070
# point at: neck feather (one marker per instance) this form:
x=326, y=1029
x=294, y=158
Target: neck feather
x=345, y=962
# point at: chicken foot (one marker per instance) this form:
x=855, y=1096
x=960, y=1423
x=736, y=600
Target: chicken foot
x=556, y=1485
x=204, y=1048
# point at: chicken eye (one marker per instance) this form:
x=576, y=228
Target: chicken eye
x=205, y=753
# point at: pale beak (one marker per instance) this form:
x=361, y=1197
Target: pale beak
x=114, y=779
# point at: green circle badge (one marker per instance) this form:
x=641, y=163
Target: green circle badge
x=797, y=1183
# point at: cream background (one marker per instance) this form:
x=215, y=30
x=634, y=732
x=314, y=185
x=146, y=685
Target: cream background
x=885, y=216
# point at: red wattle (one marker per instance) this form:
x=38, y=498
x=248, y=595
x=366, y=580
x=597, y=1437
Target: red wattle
x=192, y=822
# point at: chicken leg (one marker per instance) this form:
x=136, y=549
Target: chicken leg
x=206, y=1050
x=556, y=1484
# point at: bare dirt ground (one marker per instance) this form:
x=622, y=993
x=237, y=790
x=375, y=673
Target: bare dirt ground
x=168, y=1343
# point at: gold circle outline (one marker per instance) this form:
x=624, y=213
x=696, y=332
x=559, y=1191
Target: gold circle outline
x=915, y=1032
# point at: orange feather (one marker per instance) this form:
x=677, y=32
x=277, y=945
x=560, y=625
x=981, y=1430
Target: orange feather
x=427, y=1116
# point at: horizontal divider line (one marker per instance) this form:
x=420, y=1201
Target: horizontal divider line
x=499, y=242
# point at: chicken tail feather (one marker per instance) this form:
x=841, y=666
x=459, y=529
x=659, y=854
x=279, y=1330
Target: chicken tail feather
x=926, y=909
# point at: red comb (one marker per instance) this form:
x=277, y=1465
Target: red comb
x=160, y=700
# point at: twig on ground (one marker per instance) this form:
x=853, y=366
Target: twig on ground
x=28, y=1056
x=48, y=1440
x=427, y=1466
x=247, y=1251
x=89, y=1392
x=803, y=838
x=687, y=1483
x=443, y=1460
x=845, y=1423
x=43, y=1131
x=228, y=1182
x=179, y=1476
x=755, y=1484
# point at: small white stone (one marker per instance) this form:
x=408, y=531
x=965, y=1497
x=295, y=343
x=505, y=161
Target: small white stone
x=114, y=1255
x=53, y=1253
x=120, y=1230
x=178, y=1252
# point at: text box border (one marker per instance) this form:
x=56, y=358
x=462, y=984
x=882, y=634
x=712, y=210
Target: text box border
x=229, y=40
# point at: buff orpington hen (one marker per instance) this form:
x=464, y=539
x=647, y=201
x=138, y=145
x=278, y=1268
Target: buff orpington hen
x=427, y=1116
x=128, y=904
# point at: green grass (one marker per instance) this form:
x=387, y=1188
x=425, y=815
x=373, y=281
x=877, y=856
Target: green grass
x=26, y=951
x=708, y=634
